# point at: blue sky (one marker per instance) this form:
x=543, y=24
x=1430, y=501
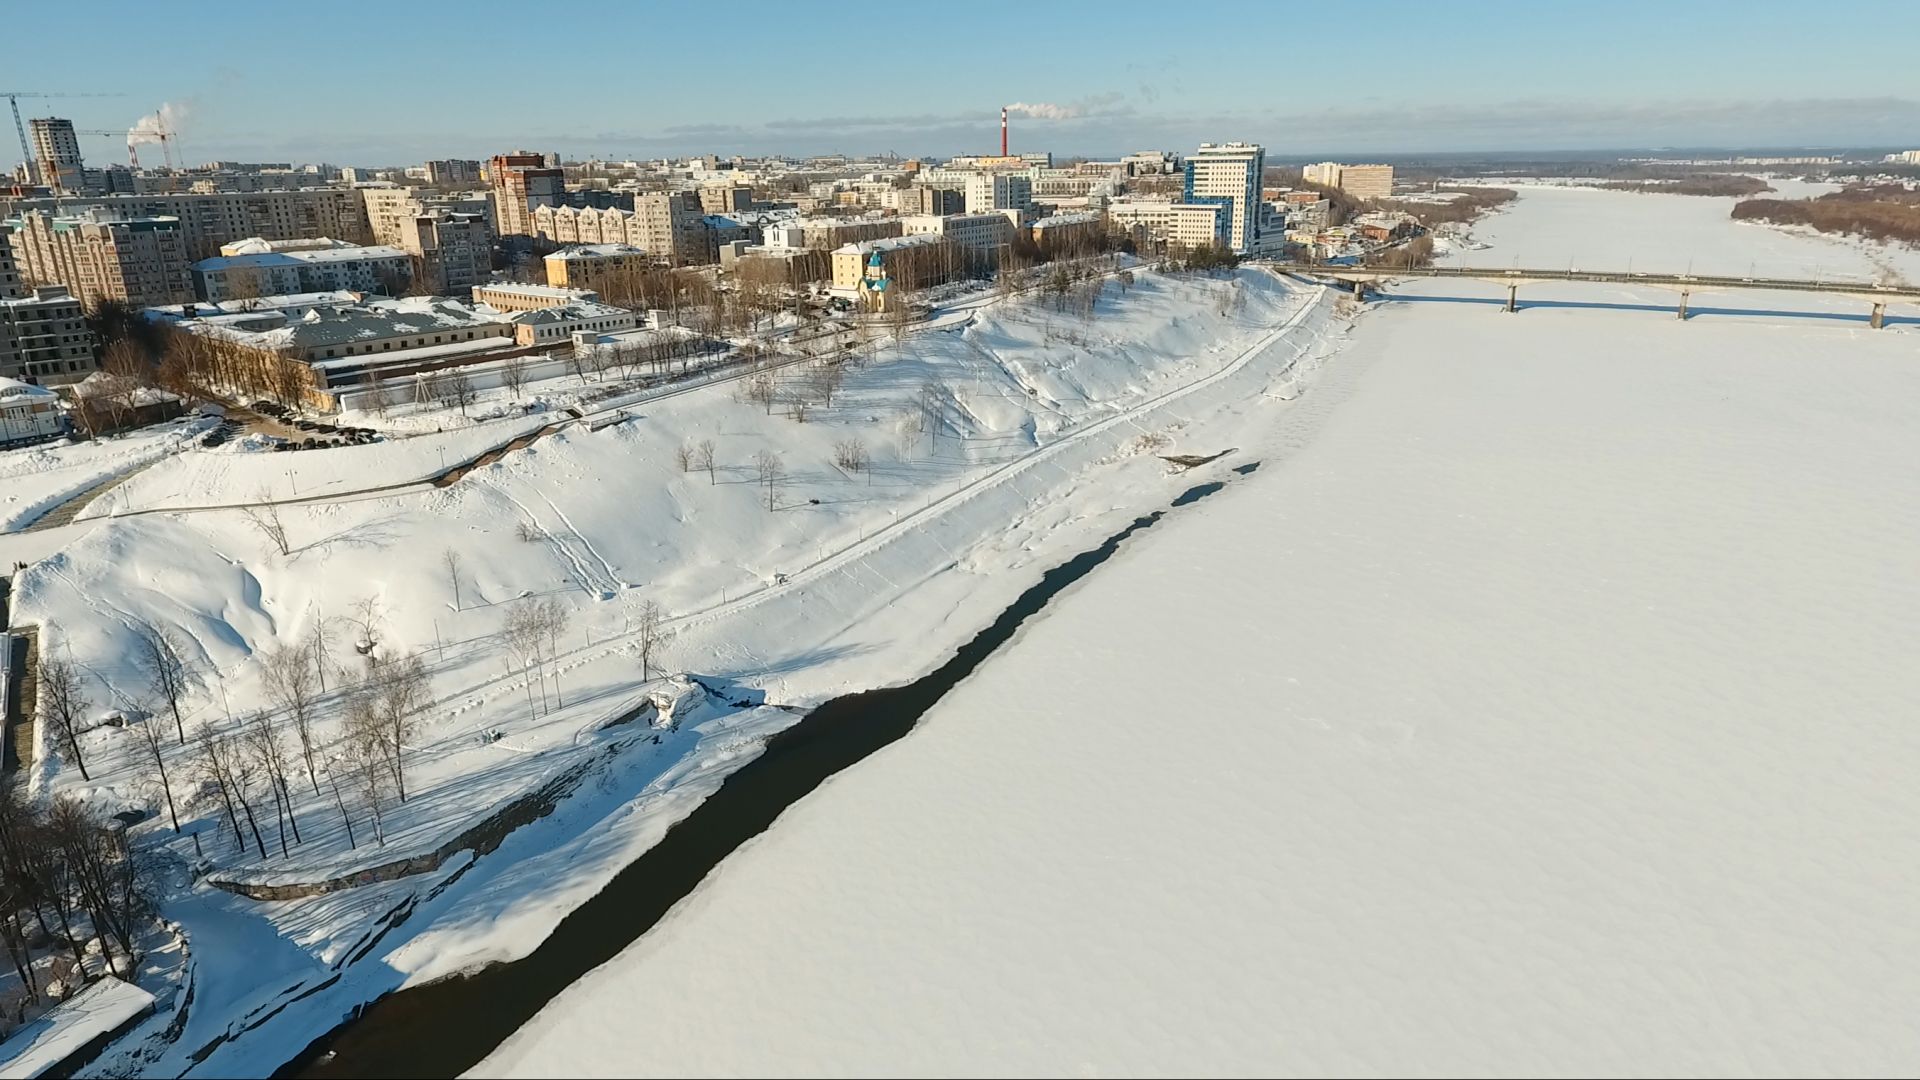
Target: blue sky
x=353, y=82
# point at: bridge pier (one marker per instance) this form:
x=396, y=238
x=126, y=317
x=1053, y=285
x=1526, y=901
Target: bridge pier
x=1513, y=298
x=1879, y=316
x=1684, y=294
x=1359, y=289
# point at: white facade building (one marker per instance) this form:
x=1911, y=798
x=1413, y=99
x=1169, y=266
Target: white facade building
x=1229, y=174
x=1182, y=225
x=979, y=232
x=998, y=191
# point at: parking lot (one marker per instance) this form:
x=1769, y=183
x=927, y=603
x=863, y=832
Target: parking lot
x=284, y=429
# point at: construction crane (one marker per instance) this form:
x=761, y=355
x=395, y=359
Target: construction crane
x=13, y=99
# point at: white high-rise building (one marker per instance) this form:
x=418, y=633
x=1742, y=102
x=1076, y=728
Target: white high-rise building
x=1229, y=175
x=56, y=152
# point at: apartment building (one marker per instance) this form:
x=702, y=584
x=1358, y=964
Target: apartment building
x=670, y=226
x=1178, y=225
x=10, y=286
x=1078, y=231
x=141, y=262
x=1359, y=181
x=210, y=219
x=592, y=266
x=273, y=268
x=1229, y=175
x=453, y=173
x=829, y=234
x=56, y=154
x=981, y=235
x=451, y=251
x=522, y=181
x=388, y=206
x=998, y=191
x=44, y=337
x=725, y=198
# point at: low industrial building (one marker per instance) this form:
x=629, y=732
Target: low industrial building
x=28, y=413
x=558, y=325
x=527, y=296
x=259, y=267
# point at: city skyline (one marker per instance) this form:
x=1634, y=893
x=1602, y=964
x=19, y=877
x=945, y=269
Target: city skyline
x=1406, y=80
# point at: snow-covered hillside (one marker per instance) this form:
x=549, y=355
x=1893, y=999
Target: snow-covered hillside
x=1542, y=705
x=998, y=444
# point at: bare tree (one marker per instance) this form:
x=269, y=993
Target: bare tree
x=683, y=457
x=268, y=753
x=367, y=759
x=798, y=407
x=264, y=516
x=346, y=819
x=228, y=772
x=652, y=633
x=824, y=379
x=459, y=389
x=397, y=692
x=365, y=615
x=153, y=741
x=851, y=455
x=763, y=390
x=703, y=458
x=290, y=683
x=513, y=372
x=451, y=560
x=64, y=701
x=157, y=653
x=767, y=467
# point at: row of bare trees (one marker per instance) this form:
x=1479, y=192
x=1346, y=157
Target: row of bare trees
x=69, y=875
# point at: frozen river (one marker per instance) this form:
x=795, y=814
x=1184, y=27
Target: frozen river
x=1542, y=705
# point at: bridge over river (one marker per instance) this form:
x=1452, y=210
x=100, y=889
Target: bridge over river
x=1364, y=277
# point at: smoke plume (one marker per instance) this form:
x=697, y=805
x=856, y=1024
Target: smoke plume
x=1040, y=110
x=167, y=118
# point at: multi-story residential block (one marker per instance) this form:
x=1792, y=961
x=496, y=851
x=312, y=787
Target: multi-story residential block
x=725, y=198
x=669, y=226
x=1151, y=163
x=929, y=199
x=1230, y=175
x=44, y=338
x=141, y=262
x=451, y=251
x=1178, y=225
x=980, y=235
x=208, y=220
x=271, y=268
x=56, y=153
x=999, y=191
x=453, y=173
x=10, y=286
x=1359, y=181
x=521, y=181
x=830, y=234
x=594, y=266
x=1077, y=231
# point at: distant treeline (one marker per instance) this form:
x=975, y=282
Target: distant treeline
x=1876, y=211
x=1472, y=202
x=1720, y=184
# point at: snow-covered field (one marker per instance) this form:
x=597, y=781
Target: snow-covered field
x=1542, y=705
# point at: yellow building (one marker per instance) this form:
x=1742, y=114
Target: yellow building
x=590, y=266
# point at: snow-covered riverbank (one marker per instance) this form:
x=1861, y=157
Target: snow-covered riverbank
x=998, y=447
x=1539, y=706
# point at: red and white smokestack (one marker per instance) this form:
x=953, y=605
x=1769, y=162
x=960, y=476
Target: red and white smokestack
x=1003, y=131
